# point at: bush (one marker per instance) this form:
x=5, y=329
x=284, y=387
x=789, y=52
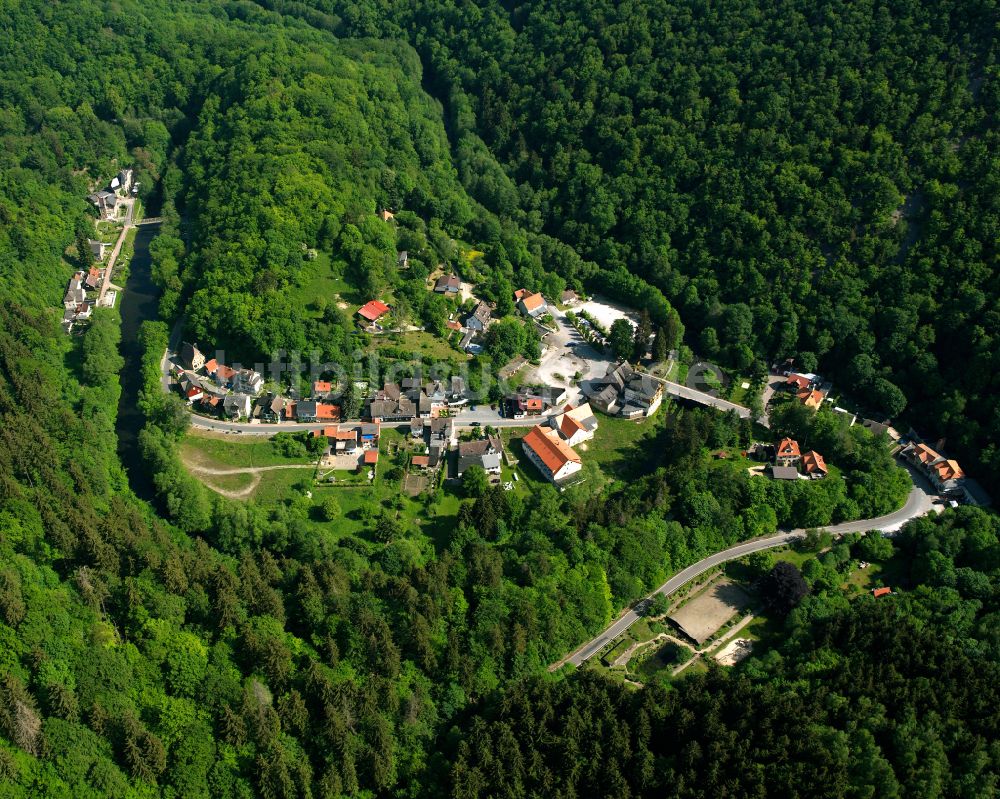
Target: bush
x=329, y=509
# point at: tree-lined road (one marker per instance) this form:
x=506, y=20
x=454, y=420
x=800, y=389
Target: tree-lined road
x=918, y=503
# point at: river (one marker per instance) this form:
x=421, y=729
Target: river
x=138, y=303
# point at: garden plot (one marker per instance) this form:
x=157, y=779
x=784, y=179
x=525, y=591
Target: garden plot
x=702, y=616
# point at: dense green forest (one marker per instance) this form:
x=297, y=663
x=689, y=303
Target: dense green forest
x=202, y=647
x=865, y=698
x=804, y=180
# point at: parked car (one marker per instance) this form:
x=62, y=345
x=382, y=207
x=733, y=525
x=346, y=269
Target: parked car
x=475, y=424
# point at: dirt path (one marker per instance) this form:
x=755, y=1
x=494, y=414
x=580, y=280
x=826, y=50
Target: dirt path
x=106, y=283
x=715, y=646
x=247, y=469
x=203, y=472
x=241, y=493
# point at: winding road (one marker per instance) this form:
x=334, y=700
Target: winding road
x=918, y=503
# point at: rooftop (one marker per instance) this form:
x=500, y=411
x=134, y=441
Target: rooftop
x=372, y=310
x=550, y=448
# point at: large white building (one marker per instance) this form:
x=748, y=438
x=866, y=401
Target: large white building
x=554, y=458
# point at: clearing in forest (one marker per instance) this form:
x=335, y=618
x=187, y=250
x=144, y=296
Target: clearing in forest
x=702, y=616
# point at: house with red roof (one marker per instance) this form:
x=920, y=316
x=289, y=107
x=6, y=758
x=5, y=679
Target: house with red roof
x=796, y=382
x=814, y=465
x=529, y=304
x=945, y=473
x=811, y=398
x=575, y=424
x=372, y=311
x=553, y=457
x=787, y=452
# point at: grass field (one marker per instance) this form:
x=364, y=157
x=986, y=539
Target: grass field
x=318, y=278
x=221, y=450
x=620, y=448
x=422, y=344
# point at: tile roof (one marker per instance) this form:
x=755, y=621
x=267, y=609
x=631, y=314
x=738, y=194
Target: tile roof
x=532, y=301
x=570, y=426
x=327, y=411
x=812, y=462
x=788, y=448
x=948, y=470
x=550, y=449
x=447, y=283
x=372, y=310
x=811, y=399
x=925, y=454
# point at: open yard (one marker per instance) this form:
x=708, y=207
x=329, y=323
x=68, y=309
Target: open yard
x=620, y=447
x=319, y=280
x=205, y=448
x=242, y=468
x=703, y=615
x=420, y=343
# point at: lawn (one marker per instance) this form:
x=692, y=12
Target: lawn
x=890, y=573
x=620, y=448
x=421, y=344
x=319, y=278
x=222, y=450
x=278, y=486
x=739, y=394
x=530, y=480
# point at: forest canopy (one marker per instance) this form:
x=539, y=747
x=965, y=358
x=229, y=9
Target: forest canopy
x=808, y=181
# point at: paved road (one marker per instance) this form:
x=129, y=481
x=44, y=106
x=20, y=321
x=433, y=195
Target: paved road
x=465, y=419
x=917, y=504
x=264, y=429
x=692, y=394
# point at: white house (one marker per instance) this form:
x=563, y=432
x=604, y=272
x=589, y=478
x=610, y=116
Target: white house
x=575, y=424
x=554, y=458
x=529, y=304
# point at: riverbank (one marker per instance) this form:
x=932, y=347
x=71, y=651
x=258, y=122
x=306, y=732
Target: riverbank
x=138, y=304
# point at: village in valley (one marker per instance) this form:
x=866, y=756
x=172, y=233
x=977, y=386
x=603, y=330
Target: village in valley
x=92, y=288
x=550, y=416
x=575, y=411
x=570, y=406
